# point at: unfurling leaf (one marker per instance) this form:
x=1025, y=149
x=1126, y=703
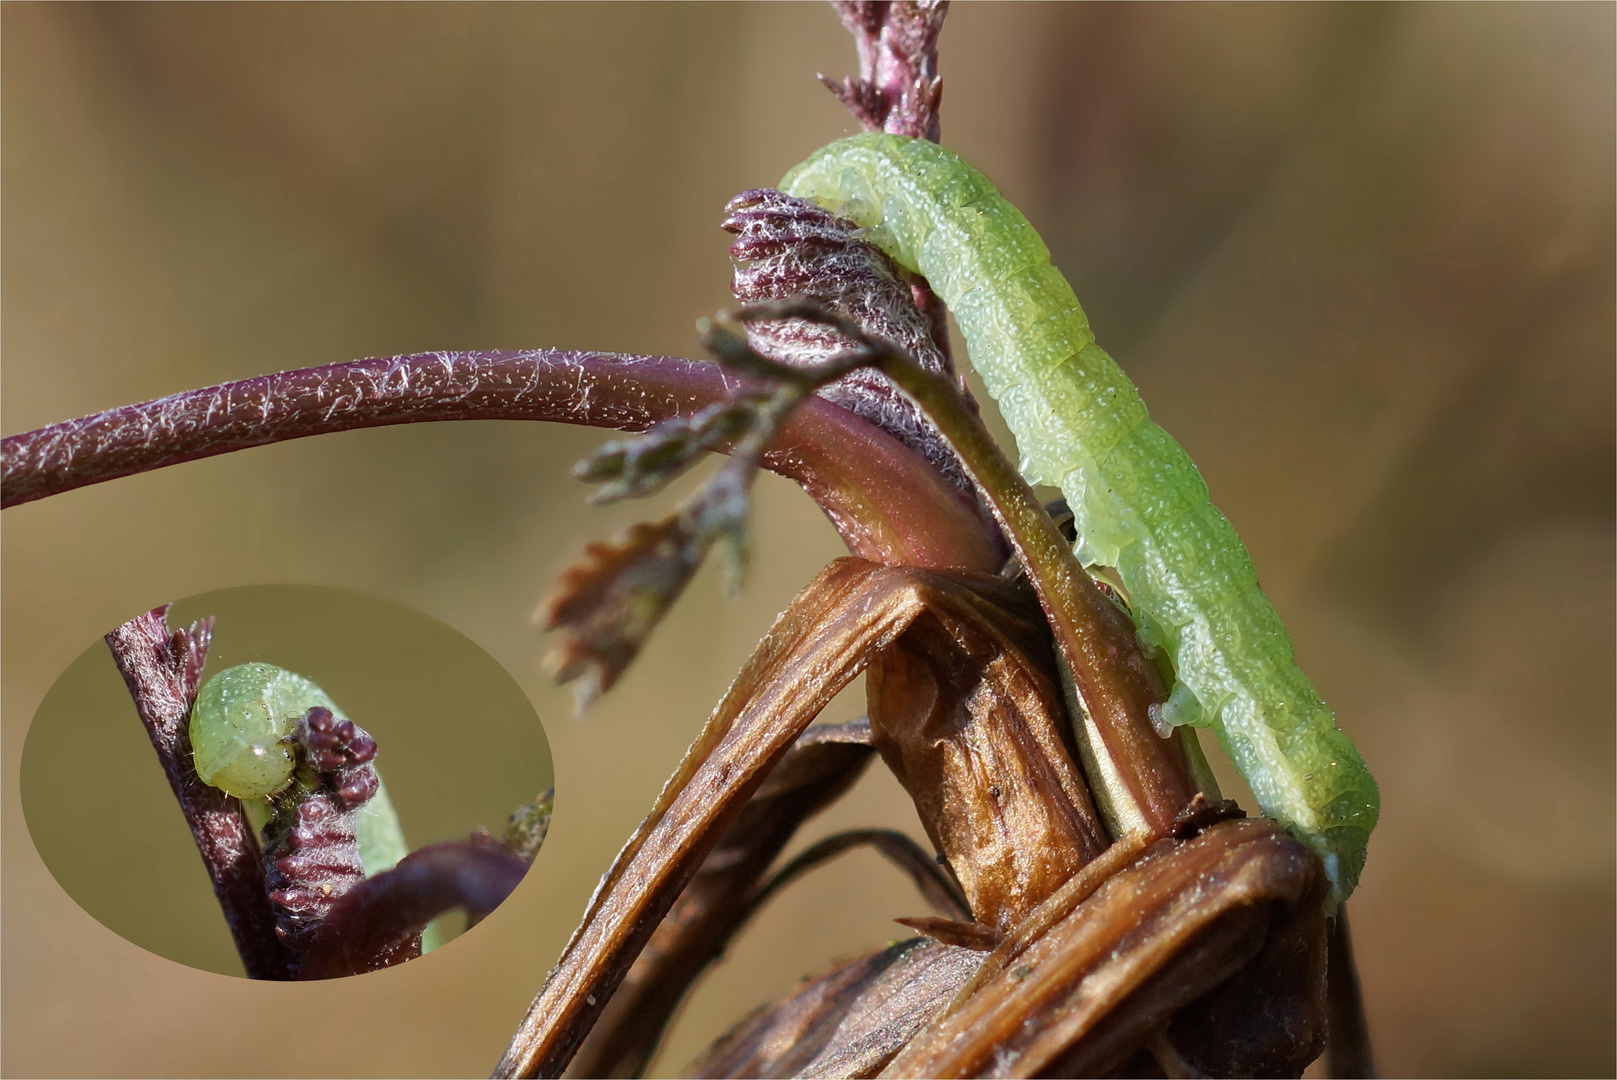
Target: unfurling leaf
x=311, y=862
x=311, y=844
x=789, y=248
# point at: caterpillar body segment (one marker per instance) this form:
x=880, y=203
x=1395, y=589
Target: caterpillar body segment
x=240, y=724
x=1138, y=501
x=241, y=728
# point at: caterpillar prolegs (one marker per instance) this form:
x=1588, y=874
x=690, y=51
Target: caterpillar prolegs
x=1140, y=505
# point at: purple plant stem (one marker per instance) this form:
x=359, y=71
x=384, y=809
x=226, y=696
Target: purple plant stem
x=889, y=505
x=162, y=669
x=369, y=923
x=898, y=89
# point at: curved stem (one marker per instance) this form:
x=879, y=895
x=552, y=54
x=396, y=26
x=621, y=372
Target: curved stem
x=931, y=880
x=889, y=505
x=371, y=921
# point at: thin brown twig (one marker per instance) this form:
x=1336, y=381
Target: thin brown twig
x=933, y=883
x=1347, y=1046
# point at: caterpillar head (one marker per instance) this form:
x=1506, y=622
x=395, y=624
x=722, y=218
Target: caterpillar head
x=240, y=724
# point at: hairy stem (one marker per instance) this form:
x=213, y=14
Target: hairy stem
x=161, y=669
x=889, y=505
x=898, y=88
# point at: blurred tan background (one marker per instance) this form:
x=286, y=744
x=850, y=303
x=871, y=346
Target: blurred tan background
x=1359, y=260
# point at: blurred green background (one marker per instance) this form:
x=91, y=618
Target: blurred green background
x=458, y=744
x=1359, y=260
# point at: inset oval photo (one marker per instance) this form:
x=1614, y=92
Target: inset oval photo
x=326, y=784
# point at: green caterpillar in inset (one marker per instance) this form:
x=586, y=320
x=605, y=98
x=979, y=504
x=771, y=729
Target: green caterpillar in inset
x=1139, y=503
x=240, y=727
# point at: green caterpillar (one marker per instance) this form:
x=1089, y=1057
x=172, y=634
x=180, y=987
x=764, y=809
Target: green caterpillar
x=239, y=729
x=1140, y=505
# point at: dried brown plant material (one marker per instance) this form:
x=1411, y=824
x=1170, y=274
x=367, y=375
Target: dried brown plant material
x=848, y=1021
x=820, y=768
x=613, y=598
x=976, y=936
x=814, y=649
x=778, y=1039
x=888, y=1011
x=727, y=892
x=1088, y=991
x=1267, y=1020
x=841, y=621
x=967, y=712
